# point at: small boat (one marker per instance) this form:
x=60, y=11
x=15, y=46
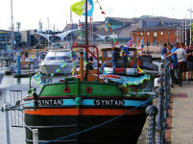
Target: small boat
x=98, y=109
x=7, y=65
x=53, y=60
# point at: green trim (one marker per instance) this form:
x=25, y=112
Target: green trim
x=99, y=89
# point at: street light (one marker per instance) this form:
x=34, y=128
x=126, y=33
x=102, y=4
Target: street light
x=12, y=26
x=190, y=10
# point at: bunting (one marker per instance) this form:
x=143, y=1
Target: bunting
x=115, y=42
x=130, y=43
x=139, y=69
x=127, y=81
x=108, y=26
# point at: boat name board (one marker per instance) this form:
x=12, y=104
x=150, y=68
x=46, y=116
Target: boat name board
x=54, y=102
x=109, y=102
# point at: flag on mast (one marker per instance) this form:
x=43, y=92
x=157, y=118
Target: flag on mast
x=79, y=8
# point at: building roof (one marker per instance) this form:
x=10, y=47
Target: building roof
x=7, y=31
x=122, y=19
x=158, y=28
x=123, y=32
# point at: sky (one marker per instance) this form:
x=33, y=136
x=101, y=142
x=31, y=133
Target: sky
x=56, y=13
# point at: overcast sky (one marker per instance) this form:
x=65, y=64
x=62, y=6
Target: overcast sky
x=57, y=12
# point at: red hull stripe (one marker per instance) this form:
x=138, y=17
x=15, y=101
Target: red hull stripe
x=75, y=111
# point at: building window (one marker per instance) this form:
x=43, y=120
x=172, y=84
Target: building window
x=168, y=33
x=135, y=34
x=148, y=42
x=155, y=34
x=168, y=40
x=155, y=42
x=161, y=33
x=141, y=33
x=161, y=40
x=148, y=33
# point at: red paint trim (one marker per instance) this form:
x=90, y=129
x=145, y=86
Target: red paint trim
x=82, y=111
x=89, y=97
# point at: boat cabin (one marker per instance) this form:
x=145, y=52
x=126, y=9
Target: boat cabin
x=107, y=56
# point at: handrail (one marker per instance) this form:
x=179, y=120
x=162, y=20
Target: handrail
x=96, y=57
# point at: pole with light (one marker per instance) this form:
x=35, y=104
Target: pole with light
x=190, y=10
x=12, y=26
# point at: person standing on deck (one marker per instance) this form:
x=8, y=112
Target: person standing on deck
x=124, y=54
x=114, y=57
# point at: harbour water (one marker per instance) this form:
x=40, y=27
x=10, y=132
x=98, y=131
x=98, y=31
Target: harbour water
x=17, y=135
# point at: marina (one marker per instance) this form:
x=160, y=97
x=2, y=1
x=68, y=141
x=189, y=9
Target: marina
x=175, y=130
x=100, y=79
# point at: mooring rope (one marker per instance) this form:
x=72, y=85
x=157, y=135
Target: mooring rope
x=108, y=121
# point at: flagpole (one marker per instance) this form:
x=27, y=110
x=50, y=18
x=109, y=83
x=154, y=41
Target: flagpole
x=86, y=31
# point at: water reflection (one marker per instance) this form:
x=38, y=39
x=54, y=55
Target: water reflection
x=18, y=80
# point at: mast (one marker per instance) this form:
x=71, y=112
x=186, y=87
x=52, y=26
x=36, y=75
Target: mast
x=86, y=29
x=71, y=42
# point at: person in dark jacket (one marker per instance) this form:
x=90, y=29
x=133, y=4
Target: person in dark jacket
x=124, y=53
x=114, y=57
x=90, y=63
x=190, y=62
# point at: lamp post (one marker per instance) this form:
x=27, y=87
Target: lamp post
x=185, y=32
x=190, y=10
x=12, y=26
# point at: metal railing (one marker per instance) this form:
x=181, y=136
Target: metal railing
x=157, y=122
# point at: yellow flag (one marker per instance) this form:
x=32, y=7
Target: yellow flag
x=78, y=7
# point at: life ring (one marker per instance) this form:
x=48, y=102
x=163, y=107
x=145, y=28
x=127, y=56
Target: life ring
x=89, y=89
x=66, y=89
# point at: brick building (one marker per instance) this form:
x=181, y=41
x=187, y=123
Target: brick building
x=157, y=36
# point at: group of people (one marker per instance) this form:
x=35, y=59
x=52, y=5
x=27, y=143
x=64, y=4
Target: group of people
x=124, y=54
x=182, y=58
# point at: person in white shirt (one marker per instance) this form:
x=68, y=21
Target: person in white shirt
x=181, y=56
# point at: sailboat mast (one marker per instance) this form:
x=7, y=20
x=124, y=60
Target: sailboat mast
x=86, y=29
